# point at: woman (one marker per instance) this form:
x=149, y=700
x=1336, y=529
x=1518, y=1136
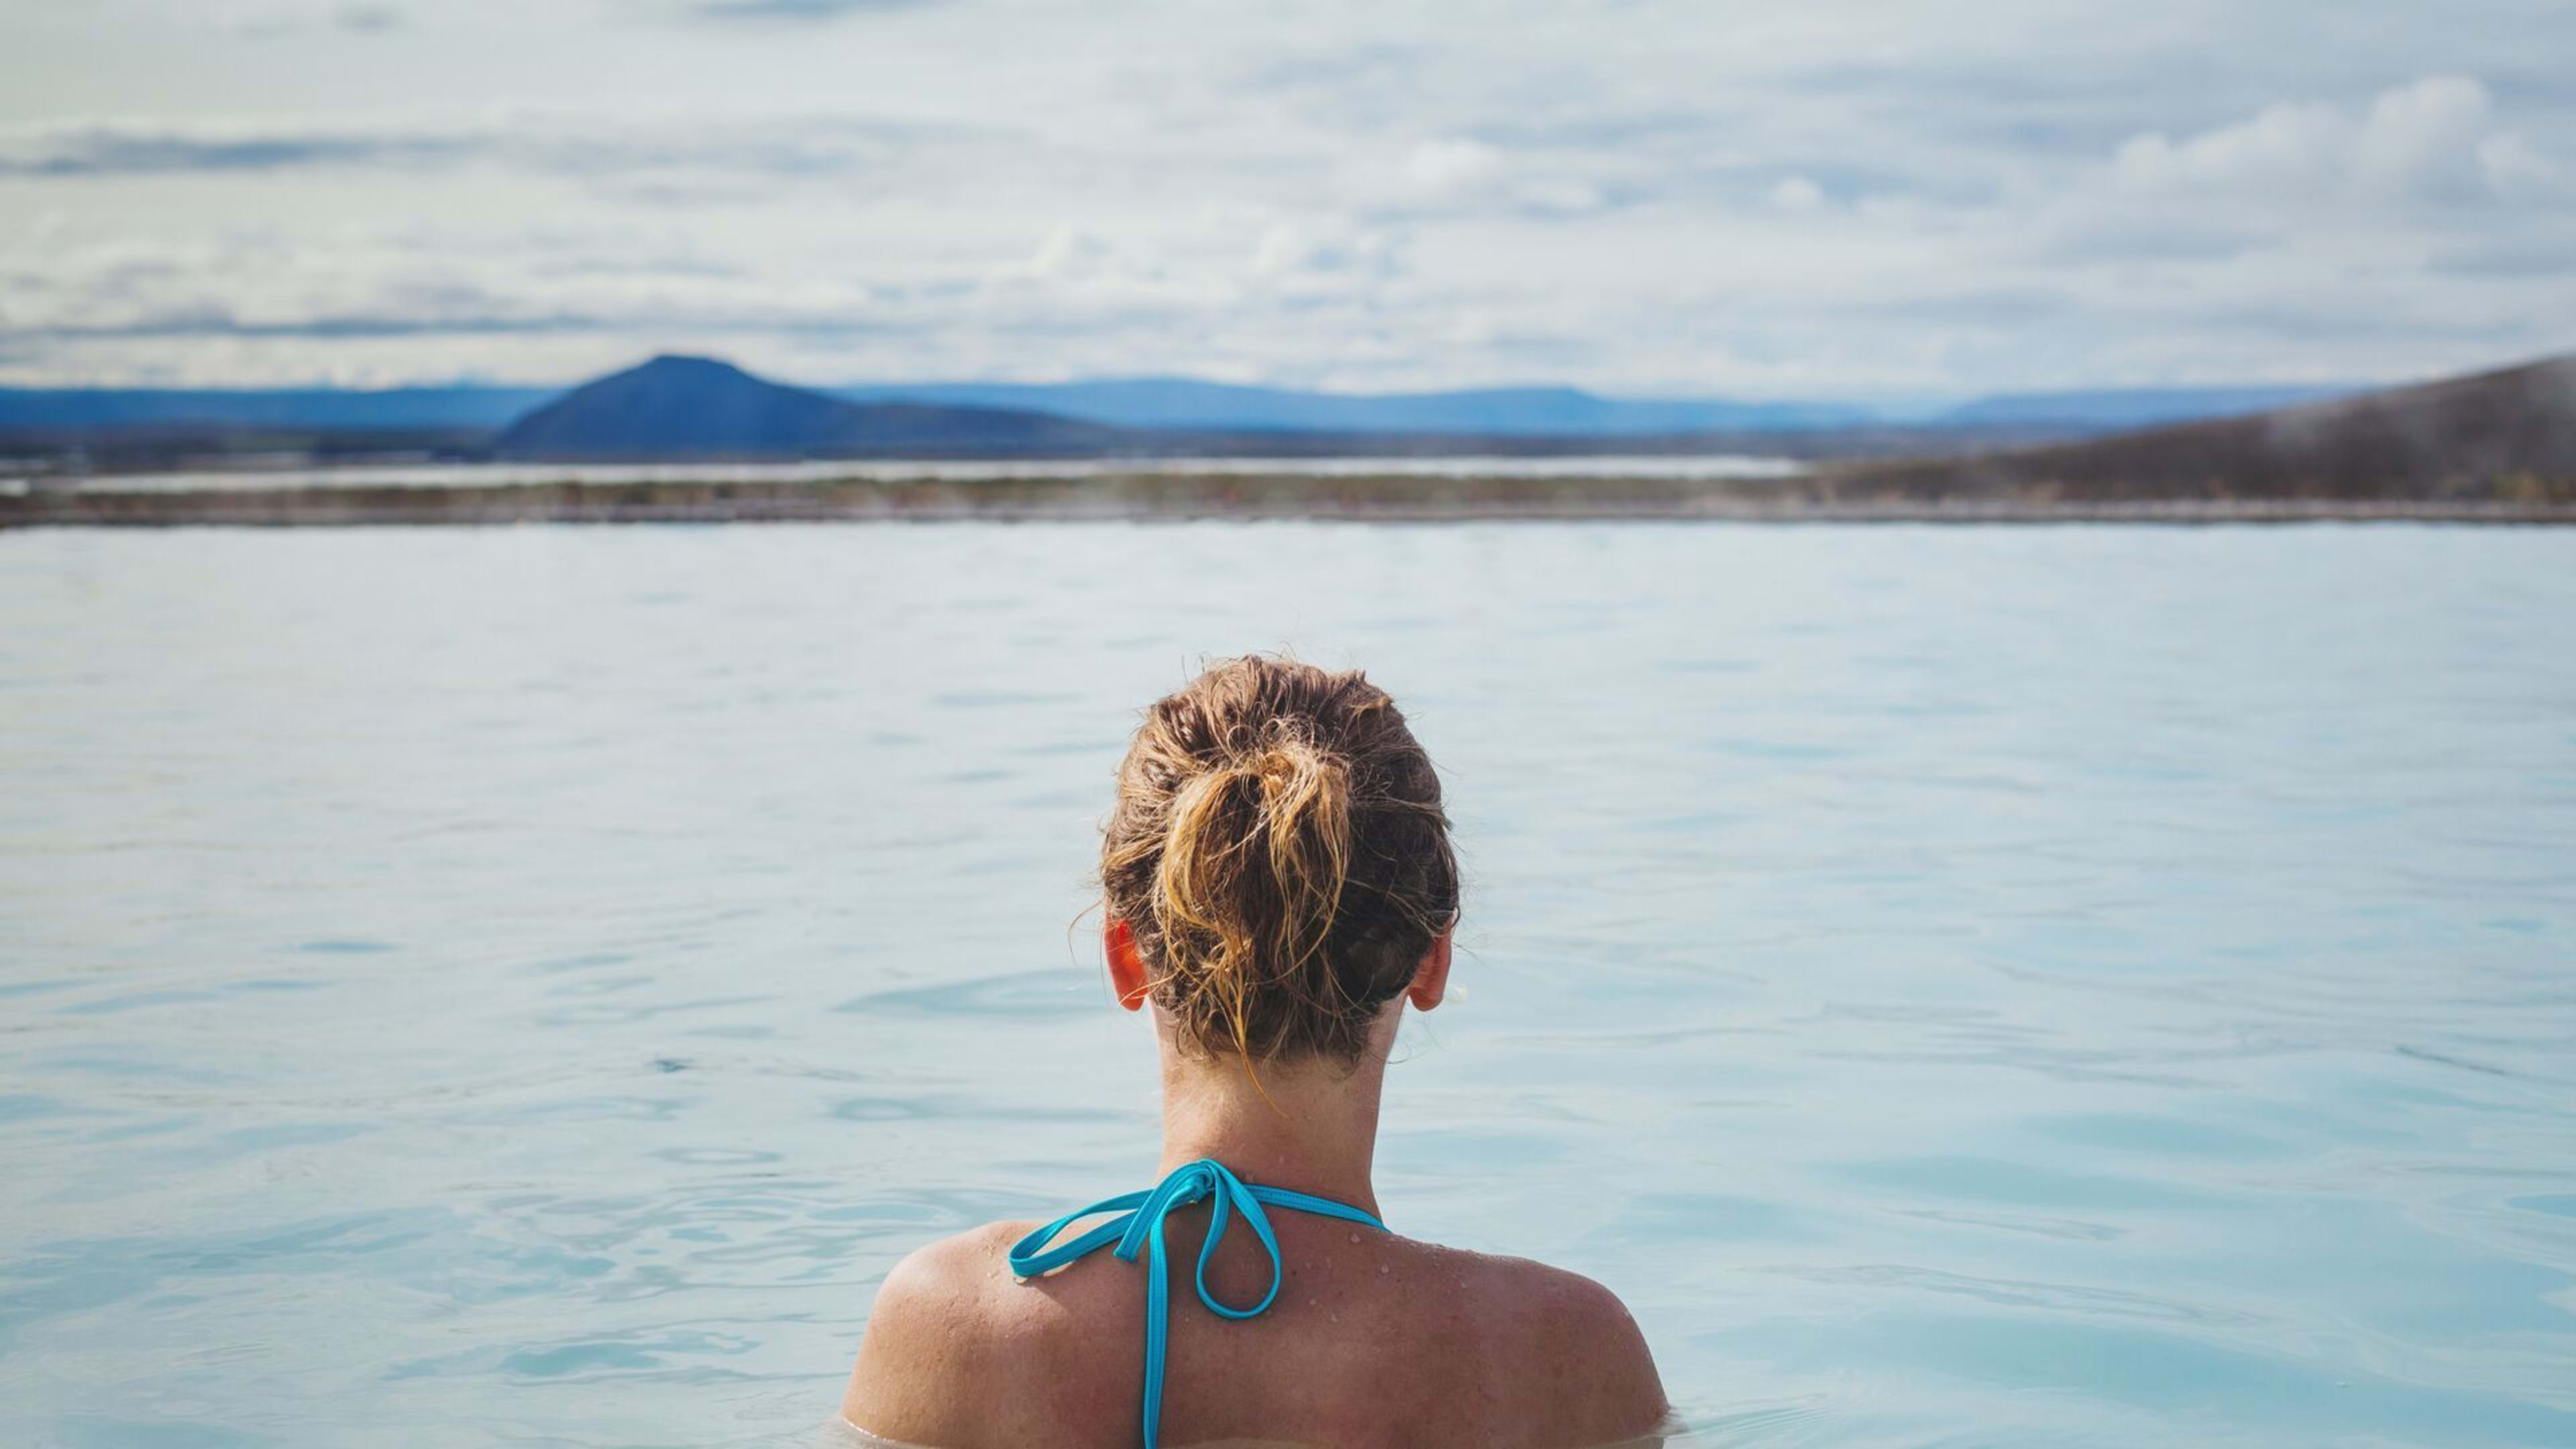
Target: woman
x=1279, y=885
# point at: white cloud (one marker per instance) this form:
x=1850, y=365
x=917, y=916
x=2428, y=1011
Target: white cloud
x=590, y=146
x=263, y=18
x=1326, y=246
x=2287, y=144
x=1330, y=264
x=1842, y=196
x=791, y=10
x=2435, y=137
x=1069, y=252
x=1451, y=167
x=1458, y=174
x=1797, y=193
x=2421, y=136
x=2517, y=171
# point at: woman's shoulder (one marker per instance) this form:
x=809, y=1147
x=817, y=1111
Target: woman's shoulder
x=944, y=1319
x=1548, y=1335
x=959, y=1264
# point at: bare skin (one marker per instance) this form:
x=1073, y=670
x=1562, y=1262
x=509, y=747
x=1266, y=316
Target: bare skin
x=1375, y=1339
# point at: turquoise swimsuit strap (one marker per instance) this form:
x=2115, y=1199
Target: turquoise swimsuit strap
x=1138, y=1228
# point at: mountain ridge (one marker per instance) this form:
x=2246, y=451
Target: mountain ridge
x=1176, y=403
x=676, y=405
x=1526, y=411
x=2507, y=434
x=2491, y=447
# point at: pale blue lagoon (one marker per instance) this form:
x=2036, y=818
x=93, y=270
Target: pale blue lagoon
x=2030, y=987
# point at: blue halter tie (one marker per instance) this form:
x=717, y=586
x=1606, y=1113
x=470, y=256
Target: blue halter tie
x=1139, y=1226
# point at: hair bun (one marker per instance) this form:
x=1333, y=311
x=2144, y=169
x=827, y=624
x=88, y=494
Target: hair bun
x=1277, y=902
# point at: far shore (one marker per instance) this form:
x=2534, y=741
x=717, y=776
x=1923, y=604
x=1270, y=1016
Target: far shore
x=1388, y=498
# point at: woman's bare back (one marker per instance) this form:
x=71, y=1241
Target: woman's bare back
x=1374, y=1339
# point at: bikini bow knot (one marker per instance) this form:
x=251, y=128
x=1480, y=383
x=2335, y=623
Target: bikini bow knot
x=1138, y=1229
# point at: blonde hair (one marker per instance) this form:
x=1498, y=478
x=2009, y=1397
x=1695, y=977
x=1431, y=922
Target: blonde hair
x=1280, y=853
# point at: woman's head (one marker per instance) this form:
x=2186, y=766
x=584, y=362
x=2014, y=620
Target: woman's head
x=1279, y=857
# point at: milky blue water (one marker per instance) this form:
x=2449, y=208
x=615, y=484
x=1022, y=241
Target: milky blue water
x=1971, y=987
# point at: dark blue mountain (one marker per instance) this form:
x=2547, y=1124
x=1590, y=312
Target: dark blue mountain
x=370, y=409
x=1180, y=402
x=1008, y=417
x=700, y=407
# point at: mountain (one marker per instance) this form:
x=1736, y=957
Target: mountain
x=679, y=407
x=109, y=417
x=70, y=409
x=1180, y=402
x=2508, y=435
x=2106, y=410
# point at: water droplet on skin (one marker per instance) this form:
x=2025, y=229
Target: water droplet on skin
x=1381, y=1268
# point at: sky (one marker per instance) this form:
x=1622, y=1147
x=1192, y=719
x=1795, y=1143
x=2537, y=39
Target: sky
x=1828, y=199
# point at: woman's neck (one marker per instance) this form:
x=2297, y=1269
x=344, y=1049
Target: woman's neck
x=1310, y=1125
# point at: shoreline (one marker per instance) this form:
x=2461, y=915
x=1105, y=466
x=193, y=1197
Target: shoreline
x=1143, y=497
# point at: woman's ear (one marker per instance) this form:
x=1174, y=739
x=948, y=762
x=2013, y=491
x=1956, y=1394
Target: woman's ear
x=1431, y=978
x=1126, y=968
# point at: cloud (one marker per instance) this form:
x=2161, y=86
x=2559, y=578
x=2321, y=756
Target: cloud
x=589, y=147
x=796, y=9
x=131, y=150
x=220, y=322
x=1462, y=175
x=246, y=286
x=2434, y=138
x=1849, y=195
x=1797, y=193
x=1313, y=262
x=1452, y=166
x=2517, y=171
x=2544, y=255
x=2127, y=231
x=264, y=18
x=1069, y=252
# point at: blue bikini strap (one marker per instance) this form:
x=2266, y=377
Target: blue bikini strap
x=1138, y=1228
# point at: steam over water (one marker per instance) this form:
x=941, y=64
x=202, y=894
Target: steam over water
x=2001, y=987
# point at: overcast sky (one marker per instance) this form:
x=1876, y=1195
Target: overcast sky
x=1784, y=199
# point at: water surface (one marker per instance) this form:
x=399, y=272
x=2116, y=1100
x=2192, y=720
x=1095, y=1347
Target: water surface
x=1961, y=986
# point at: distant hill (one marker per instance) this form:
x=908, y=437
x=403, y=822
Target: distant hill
x=683, y=407
x=1183, y=409
x=2123, y=408
x=2508, y=436
x=1186, y=403
x=75, y=409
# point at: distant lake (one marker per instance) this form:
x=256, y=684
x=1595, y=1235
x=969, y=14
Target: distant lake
x=1986, y=987
x=498, y=475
